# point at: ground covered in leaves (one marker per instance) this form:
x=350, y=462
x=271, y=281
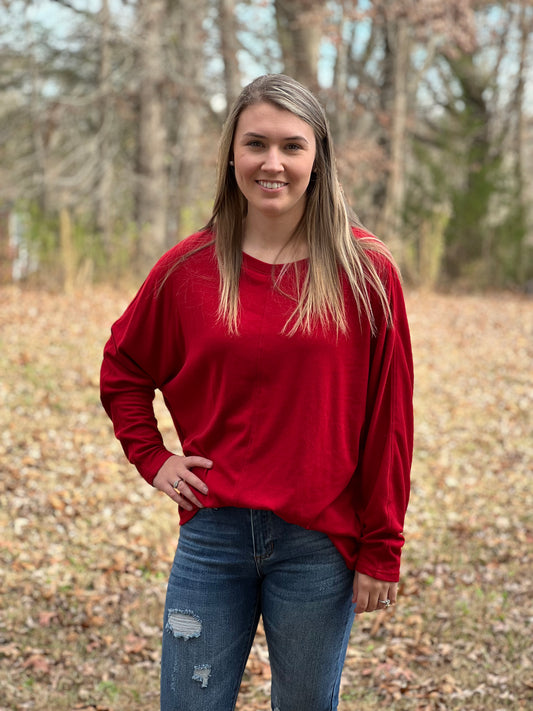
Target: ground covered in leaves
x=86, y=545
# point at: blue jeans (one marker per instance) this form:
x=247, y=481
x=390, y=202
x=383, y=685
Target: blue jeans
x=232, y=566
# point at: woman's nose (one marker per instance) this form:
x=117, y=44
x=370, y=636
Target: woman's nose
x=272, y=160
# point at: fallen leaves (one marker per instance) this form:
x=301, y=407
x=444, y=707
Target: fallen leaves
x=86, y=545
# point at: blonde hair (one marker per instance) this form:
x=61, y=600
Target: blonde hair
x=326, y=224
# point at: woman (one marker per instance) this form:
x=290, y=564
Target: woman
x=279, y=339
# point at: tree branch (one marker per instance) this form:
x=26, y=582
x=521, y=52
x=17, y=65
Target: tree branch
x=70, y=6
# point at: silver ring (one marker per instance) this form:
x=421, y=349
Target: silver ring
x=176, y=484
x=386, y=602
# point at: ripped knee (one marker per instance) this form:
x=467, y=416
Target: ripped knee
x=184, y=624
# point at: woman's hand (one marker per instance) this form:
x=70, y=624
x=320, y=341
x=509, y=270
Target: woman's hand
x=370, y=594
x=176, y=480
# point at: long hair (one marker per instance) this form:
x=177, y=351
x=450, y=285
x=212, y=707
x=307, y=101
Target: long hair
x=326, y=225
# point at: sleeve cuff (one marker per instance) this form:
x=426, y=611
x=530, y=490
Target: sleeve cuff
x=380, y=562
x=151, y=465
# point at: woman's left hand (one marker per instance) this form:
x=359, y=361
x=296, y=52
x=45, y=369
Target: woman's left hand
x=370, y=594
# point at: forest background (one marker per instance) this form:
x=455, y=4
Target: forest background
x=110, y=113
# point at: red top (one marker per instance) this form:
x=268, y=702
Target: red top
x=317, y=428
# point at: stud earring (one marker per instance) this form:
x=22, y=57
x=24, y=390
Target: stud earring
x=231, y=163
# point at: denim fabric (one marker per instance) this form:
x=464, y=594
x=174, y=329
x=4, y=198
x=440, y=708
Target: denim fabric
x=232, y=566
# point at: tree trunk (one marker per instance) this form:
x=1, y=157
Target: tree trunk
x=6, y=250
x=299, y=25
x=525, y=28
x=68, y=252
x=340, y=119
x=40, y=133
x=469, y=239
x=186, y=194
x=391, y=220
x=229, y=46
x=105, y=163
x=151, y=183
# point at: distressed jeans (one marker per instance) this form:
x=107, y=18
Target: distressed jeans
x=232, y=566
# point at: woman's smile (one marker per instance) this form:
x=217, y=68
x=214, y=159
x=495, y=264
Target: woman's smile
x=268, y=185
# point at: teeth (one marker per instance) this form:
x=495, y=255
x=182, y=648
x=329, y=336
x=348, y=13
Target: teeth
x=271, y=186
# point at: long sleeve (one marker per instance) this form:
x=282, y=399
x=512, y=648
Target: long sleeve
x=383, y=474
x=142, y=353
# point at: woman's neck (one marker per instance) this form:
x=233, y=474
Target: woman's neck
x=273, y=242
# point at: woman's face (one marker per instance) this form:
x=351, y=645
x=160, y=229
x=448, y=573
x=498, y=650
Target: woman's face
x=274, y=153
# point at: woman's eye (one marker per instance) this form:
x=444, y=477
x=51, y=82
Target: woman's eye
x=293, y=147
x=254, y=144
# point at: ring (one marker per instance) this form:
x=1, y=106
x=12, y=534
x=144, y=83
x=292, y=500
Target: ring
x=176, y=484
x=386, y=602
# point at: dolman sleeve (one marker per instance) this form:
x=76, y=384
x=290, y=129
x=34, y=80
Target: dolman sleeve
x=387, y=445
x=143, y=352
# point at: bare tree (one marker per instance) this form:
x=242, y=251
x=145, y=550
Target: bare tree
x=151, y=173
x=398, y=56
x=229, y=46
x=299, y=25
x=105, y=149
x=187, y=116
x=525, y=27
x=343, y=44
x=43, y=128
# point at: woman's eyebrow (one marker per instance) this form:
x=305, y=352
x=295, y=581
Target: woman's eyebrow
x=252, y=134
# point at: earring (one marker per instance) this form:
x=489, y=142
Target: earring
x=231, y=163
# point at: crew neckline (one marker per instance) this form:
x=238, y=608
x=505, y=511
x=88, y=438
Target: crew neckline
x=266, y=267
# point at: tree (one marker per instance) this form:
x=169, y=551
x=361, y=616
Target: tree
x=105, y=145
x=523, y=256
x=229, y=46
x=299, y=24
x=395, y=100
x=151, y=167
x=186, y=114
